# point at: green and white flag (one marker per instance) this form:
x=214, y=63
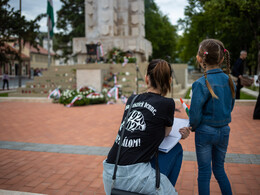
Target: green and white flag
x=50, y=17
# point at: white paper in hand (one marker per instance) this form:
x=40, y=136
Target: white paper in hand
x=174, y=137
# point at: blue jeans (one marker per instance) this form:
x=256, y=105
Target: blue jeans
x=211, y=146
x=170, y=163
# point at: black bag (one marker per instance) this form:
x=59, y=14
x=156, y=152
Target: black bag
x=115, y=191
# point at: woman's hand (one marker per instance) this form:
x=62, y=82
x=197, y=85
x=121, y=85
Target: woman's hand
x=185, y=132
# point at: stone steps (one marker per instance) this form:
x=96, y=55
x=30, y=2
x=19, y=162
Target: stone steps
x=65, y=78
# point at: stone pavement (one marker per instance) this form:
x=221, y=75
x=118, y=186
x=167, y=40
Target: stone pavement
x=51, y=149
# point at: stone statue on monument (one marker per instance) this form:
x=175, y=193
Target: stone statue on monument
x=114, y=24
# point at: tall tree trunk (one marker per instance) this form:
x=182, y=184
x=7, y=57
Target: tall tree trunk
x=20, y=54
x=258, y=67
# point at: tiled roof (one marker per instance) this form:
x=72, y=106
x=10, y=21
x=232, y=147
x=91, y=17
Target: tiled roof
x=14, y=50
x=34, y=50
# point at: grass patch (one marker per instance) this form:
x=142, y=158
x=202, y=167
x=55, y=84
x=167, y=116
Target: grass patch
x=3, y=94
x=244, y=96
x=187, y=96
x=254, y=88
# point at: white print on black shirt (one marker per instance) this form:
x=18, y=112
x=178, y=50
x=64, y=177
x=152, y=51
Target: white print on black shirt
x=135, y=122
x=143, y=105
x=130, y=143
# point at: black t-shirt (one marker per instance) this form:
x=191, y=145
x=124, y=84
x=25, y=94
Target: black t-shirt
x=145, y=128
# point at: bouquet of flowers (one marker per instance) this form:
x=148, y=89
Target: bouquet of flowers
x=84, y=96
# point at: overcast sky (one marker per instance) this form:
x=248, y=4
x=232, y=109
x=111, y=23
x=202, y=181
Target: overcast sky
x=31, y=8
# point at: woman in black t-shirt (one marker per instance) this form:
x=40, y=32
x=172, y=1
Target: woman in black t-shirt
x=149, y=121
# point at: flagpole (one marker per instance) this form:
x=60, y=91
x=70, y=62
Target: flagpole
x=49, y=56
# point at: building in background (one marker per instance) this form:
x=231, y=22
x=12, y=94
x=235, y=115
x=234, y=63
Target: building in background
x=32, y=59
x=12, y=66
x=39, y=57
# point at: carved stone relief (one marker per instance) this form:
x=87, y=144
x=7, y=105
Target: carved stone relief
x=105, y=4
x=115, y=23
x=134, y=7
x=135, y=19
x=105, y=30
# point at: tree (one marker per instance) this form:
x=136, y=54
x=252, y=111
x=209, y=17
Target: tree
x=71, y=22
x=14, y=26
x=159, y=31
x=234, y=22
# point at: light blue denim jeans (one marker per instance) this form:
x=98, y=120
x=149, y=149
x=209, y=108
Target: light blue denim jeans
x=138, y=177
x=211, y=147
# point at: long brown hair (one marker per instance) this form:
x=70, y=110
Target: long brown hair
x=160, y=73
x=212, y=52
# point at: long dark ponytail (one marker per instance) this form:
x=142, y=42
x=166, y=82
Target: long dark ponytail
x=160, y=73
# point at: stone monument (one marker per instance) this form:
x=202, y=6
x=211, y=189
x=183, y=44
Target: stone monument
x=114, y=23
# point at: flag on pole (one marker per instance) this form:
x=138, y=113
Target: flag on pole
x=185, y=107
x=55, y=94
x=50, y=17
x=113, y=92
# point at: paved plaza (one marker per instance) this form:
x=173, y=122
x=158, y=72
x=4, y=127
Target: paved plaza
x=51, y=149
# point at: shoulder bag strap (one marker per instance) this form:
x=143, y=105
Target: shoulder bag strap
x=121, y=140
x=157, y=182
x=157, y=169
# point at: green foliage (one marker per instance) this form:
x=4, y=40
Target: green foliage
x=68, y=95
x=82, y=102
x=71, y=20
x=3, y=94
x=253, y=87
x=13, y=26
x=245, y=96
x=234, y=22
x=187, y=96
x=117, y=55
x=131, y=60
x=159, y=31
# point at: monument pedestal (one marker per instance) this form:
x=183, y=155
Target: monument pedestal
x=114, y=24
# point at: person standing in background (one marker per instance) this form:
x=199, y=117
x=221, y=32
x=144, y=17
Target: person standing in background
x=257, y=106
x=238, y=71
x=5, y=80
